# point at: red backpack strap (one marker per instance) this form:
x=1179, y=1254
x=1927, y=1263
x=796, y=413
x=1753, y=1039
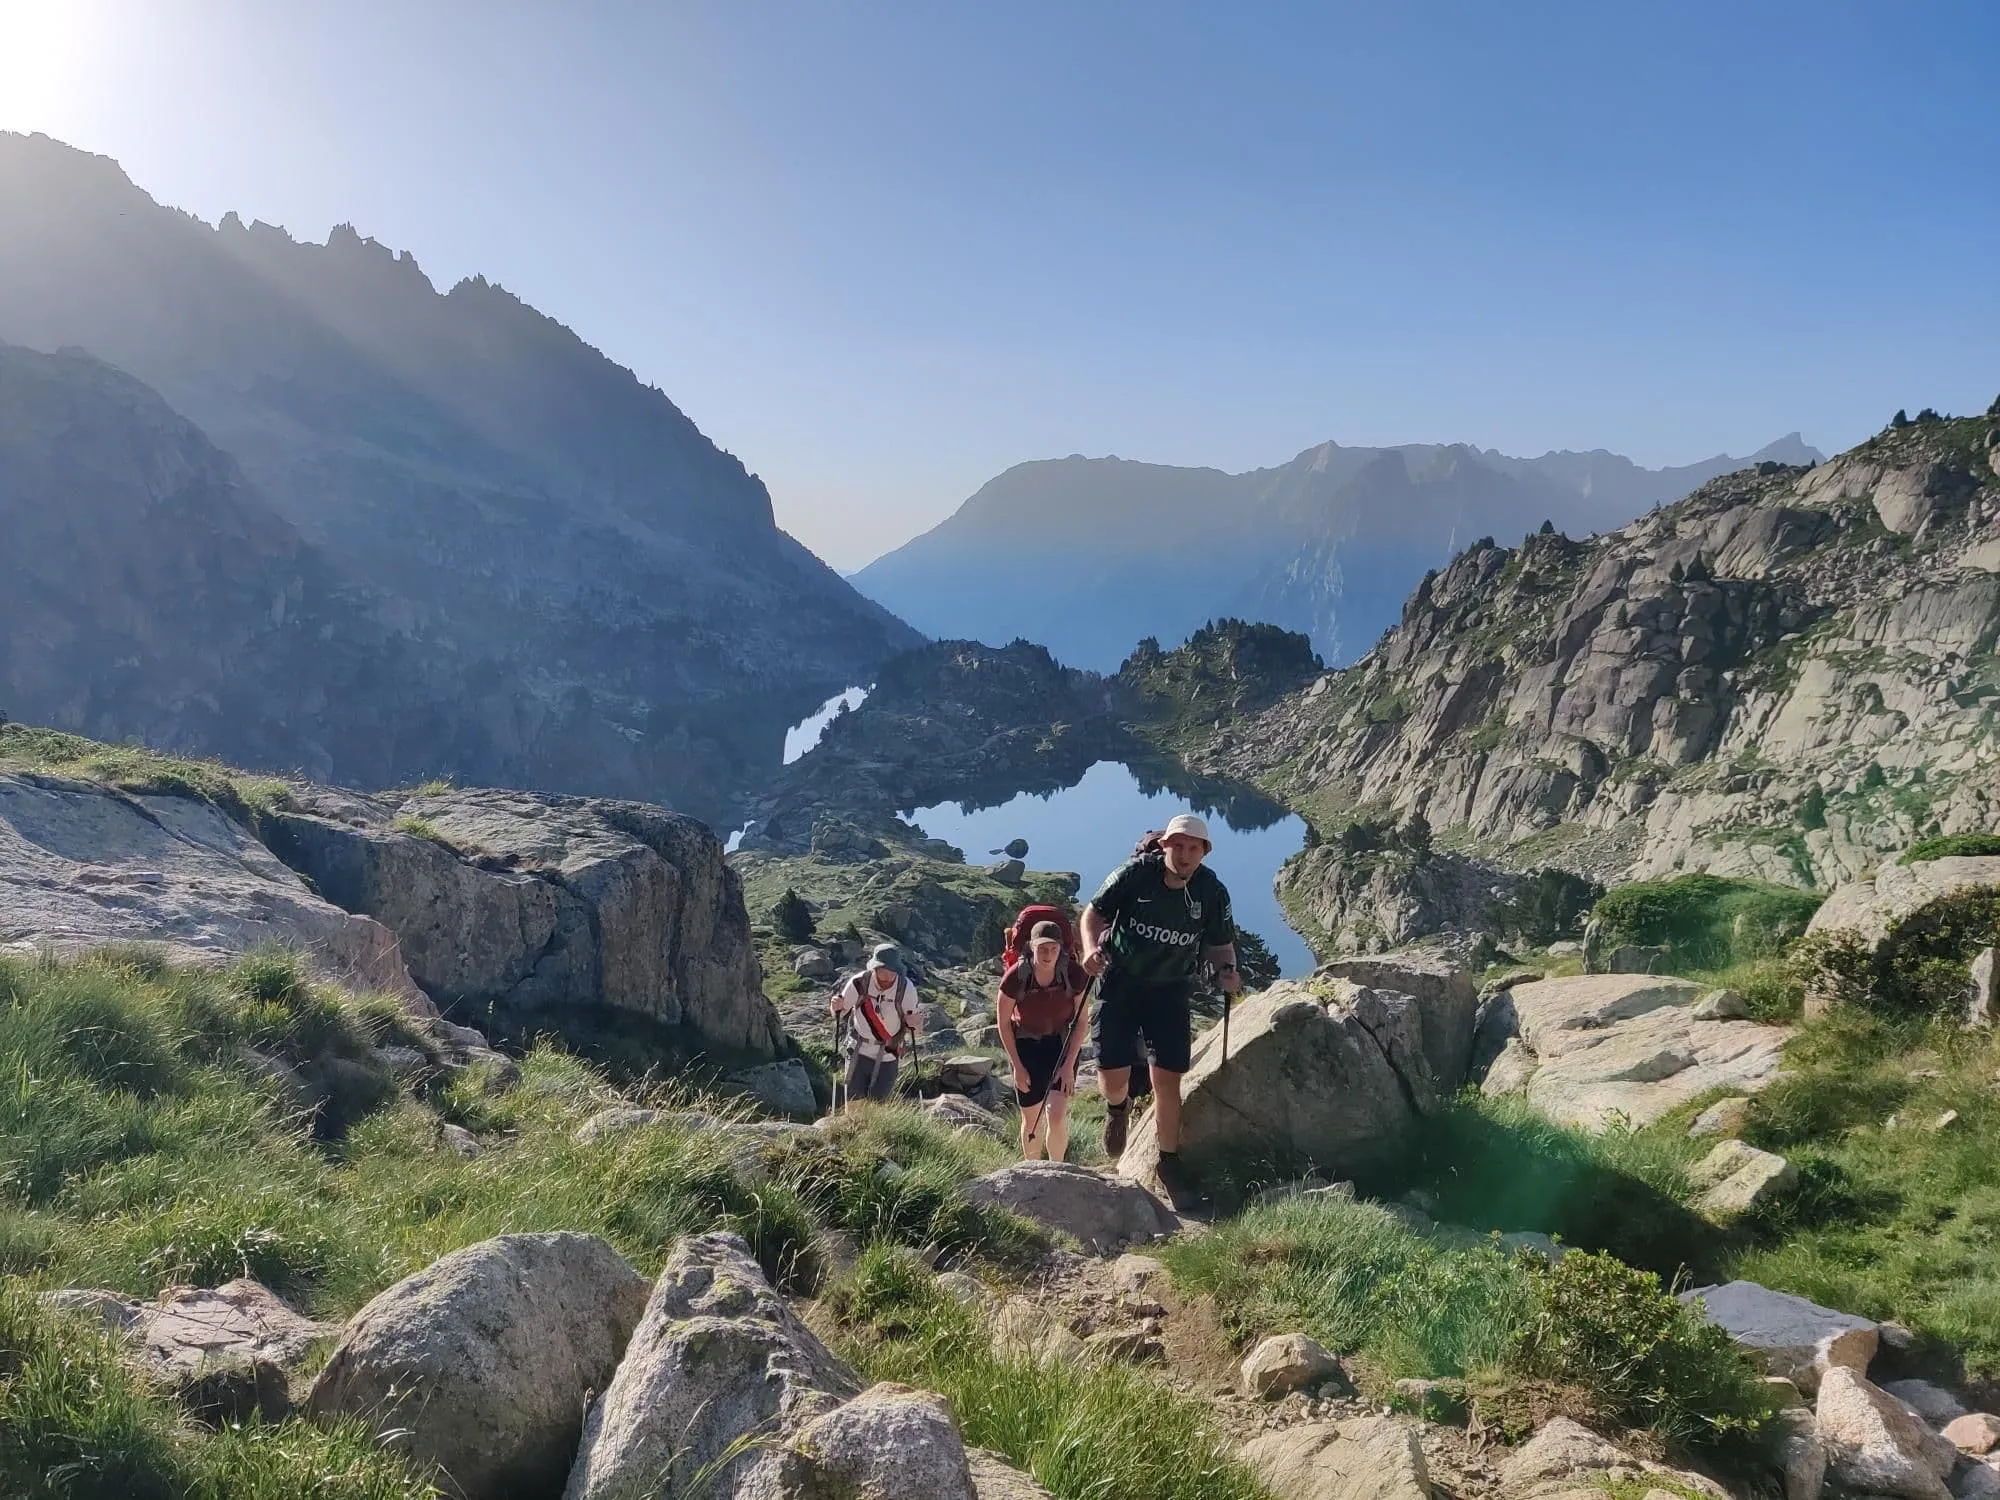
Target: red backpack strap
x=884, y=1037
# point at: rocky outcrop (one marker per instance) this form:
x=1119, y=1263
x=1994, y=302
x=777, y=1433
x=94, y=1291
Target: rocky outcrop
x=1758, y=680
x=1598, y=1049
x=227, y=1353
x=1788, y=1336
x=82, y=865
x=1101, y=1213
x=531, y=903
x=1445, y=994
x=1358, y=1458
x=1322, y=1074
x=482, y=1363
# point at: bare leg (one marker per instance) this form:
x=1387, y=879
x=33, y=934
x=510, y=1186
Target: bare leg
x=1113, y=1084
x=1056, y=1133
x=1167, y=1109
x=1031, y=1138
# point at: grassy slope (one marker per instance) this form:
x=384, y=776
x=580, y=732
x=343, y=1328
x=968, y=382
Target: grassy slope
x=139, y=1150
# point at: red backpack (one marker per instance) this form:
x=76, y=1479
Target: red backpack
x=1017, y=935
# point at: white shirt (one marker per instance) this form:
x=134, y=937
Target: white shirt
x=848, y=1003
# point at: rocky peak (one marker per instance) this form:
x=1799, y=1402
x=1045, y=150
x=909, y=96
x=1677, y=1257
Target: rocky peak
x=1786, y=675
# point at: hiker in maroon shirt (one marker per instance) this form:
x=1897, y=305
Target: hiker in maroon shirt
x=1039, y=1008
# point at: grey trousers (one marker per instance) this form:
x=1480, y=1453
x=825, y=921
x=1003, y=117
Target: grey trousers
x=869, y=1079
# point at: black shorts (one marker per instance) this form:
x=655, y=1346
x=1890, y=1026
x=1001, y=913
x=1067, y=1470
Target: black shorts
x=1158, y=1013
x=1041, y=1056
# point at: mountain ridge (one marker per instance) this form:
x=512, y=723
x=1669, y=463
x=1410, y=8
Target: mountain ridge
x=624, y=615
x=1327, y=543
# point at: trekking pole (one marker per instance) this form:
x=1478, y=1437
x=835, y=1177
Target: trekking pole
x=1062, y=1056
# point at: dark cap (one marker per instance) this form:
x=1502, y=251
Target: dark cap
x=886, y=956
x=1047, y=930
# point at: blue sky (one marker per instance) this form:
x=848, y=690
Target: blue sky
x=882, y=251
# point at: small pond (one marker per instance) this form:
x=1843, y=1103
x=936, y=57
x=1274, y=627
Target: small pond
x=1090, y=828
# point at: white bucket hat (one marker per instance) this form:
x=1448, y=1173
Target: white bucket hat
x=1191, y=826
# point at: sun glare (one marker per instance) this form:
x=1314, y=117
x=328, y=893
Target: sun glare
x=46, y=47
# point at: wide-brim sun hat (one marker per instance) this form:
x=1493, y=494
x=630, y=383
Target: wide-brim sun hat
x=1189, y=826
x=886, y=956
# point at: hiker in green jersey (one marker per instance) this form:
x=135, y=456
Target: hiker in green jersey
x=1148, y=931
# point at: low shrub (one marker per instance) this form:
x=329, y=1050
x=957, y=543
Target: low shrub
x=1920, y=968
x=1705, y=921
x=1645, y=1359
x=1949, y=845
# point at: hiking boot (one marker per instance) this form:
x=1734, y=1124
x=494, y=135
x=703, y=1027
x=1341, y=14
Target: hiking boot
x=1115, y=1127
x=1177, y=1186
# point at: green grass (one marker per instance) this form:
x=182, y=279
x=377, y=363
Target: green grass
x=1498, y=1164
x=1085, y=1431
x=1355, y=1277
x=76, y=1424
x=132, y=768
x=1897, y=1222
x=1706, y=921
x=140, y=1149
x=420, y=828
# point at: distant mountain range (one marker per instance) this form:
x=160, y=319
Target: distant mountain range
x=521, y=565
x=1088, y=555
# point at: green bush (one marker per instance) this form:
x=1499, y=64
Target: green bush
x=1705, y=921
x=1644, y=1357
x=1951, y=844
x=1919, y=968
x=792, y=918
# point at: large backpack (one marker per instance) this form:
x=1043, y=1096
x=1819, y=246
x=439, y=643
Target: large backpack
x=1149, y=845
x=1017, y=936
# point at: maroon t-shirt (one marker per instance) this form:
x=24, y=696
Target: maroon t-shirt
x=1040, y=1010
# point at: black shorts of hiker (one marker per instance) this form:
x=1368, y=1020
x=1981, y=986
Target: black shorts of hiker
x=1148, y=930
x=882, y=1019
x=1039, y=1010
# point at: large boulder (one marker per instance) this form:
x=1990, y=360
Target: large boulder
x=1611, y=1048
x=1444, y=992
x=1787, y=1336
x=1875, y=1445
x=533, y=903
x=82, y=865
x=482, y=1363
x=1102, y=1213
x=718, y=1357
x=1871, y=908
x=1321, y=1074
x=1358, y=1458
x=782, y=1088
x=993, y=1478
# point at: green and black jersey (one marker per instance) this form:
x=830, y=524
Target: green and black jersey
x=1159, y=933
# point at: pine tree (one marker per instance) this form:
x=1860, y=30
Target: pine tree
x=792, y=917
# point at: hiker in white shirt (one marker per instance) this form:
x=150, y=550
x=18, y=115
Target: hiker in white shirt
x=881, y=1006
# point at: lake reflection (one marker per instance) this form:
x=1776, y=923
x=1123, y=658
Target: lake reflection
x=1090, y=828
